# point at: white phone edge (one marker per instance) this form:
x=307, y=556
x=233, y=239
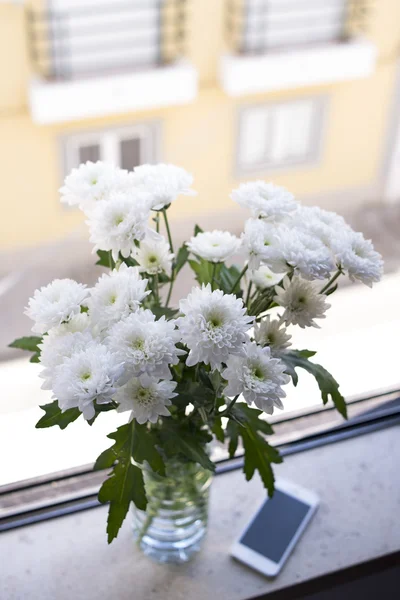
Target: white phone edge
x=258, y=561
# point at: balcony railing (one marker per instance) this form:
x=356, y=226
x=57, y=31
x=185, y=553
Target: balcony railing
x=260, y=26
x=92, y=39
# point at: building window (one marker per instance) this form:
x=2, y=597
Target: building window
x=125, y=147
x=273, y=24
x=280, y=135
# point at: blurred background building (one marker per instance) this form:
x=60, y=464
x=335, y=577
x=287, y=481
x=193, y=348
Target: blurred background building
x=302, y=92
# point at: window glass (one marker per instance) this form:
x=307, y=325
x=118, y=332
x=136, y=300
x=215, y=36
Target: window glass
x=276, y=135
x=130, y=153
x=91, y=153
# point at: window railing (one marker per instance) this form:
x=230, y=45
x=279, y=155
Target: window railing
x=92, y=39
x=260, y=26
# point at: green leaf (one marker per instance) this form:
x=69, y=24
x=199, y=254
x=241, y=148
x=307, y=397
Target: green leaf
x=232, y=431
x=258, y=455
x=226, y=279
x=54, y=416
x=202, y=269
x=197, y=230
x=247, y=416
x=30, y=344
x=190, y=444
x=164, y=311
x=328, y=386
x=123, y=486
x=181, y=258
x=218, y=430
x=105, y=259
x=244, y=422
x=125, y=483
x=194, y=392
x=144, y=449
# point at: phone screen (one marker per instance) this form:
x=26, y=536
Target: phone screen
x=275, y=525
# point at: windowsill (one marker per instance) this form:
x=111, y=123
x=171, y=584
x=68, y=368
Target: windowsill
x=356, y=522
x=300, y=67
x=54, y=102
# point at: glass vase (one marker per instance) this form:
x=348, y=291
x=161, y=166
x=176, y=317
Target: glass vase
x=174, y=523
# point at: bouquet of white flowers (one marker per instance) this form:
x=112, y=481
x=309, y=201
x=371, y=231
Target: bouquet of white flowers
x=213, y=365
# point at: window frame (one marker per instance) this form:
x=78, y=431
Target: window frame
x=312, y=157
x=109, y=138
x=74, y=490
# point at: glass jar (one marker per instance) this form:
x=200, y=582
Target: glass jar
x=174, y=523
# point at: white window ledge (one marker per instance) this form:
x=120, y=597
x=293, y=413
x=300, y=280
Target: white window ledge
x=240, y=74
x=54, y=102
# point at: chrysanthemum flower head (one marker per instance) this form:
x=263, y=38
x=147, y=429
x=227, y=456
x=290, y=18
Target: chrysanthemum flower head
x=163, y=182
x=260, y=245
x=213, y=326
x=55, y=303
x=115, y=296
x=271, y=332
x=264, y=278
x=145, y=345
x=116, y=224
x=154, y=256
x=92, y=374
x=257, y=376
x=91, y=183
x=266, y=200
x=214, y=246
x=146, y=397
x=357, y=256
x=302, y=302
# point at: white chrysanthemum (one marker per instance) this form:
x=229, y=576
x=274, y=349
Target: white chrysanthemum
x=213, y=326
x=322, y=224
x=270, y=332
x=163, y=182
x=92, y=182
x=260, y=244
x=145, y=345
x=302, y=302
x=214, y=246
x=55, y=303
x=90, y=375
x=57, y=347
x=265, y=200
x=146, y=397
x=303, y=252
x=264, y=278
x=257, y=376
x=115, y=296
x=154, y=256
x=78, y=323
x=117, y=223
x=356, y=256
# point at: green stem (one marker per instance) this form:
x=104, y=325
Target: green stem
x=164, y=212
x=331, y=281
x=226, y=412
x=249, y=293
x=110, y=260
x=171, y=285
x=156, y=291
x=214, y=268
x=239, y=277
x=158, y=222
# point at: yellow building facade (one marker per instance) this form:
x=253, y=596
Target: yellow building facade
x=315, y=117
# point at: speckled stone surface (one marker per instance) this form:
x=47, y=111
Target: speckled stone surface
x=359, y=486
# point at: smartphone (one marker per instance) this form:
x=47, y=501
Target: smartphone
x=272, y=534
